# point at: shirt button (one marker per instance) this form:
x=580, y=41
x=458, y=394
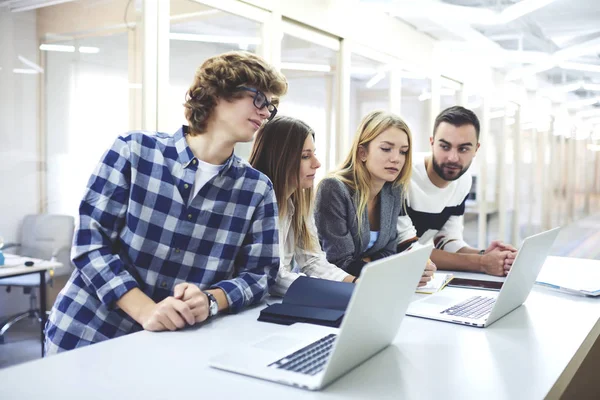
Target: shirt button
x=189, y=216
x=163, y=285
x=194, y=161
x=177, y=250
x=186, y=186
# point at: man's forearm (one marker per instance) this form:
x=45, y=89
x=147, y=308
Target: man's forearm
x=134, y=302
x=461, y=261
x=468, y=250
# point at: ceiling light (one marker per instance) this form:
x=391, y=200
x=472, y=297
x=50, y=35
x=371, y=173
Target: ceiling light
x=57, y=47
x=89, y=50
x=25, y=71
x=306, y=67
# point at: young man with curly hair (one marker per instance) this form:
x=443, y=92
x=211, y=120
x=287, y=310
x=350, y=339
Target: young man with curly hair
x=174, y=229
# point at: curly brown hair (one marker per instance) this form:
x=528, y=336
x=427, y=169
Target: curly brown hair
x=219, y=76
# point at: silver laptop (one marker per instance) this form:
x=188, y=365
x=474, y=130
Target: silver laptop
x=312, y=356
x=479, y=308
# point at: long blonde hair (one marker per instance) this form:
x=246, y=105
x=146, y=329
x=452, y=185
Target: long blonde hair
x=277, y=153
x=355, y=174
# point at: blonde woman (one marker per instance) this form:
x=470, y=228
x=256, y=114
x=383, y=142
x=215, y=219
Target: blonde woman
x=357, y=206
x=284, y=150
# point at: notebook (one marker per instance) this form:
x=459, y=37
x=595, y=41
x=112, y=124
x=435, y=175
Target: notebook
x=311, y=300
x=439, y=281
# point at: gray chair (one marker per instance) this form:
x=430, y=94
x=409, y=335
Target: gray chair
x=44, y=236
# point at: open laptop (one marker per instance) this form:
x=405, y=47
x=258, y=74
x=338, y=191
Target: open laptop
x=312, y=356
x=479, y=308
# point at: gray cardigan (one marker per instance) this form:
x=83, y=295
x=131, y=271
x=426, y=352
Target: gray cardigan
x=335, y=217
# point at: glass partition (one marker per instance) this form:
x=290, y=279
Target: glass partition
x=310, y=70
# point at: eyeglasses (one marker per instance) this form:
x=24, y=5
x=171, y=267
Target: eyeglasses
x=260, y=101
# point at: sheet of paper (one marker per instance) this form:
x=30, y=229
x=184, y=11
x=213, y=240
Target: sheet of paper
x=585, y=275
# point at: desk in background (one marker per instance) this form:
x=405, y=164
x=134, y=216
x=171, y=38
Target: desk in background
x=16, y=267
x=524, y=355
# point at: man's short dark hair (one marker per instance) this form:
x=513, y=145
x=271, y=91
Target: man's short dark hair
x=457, y=116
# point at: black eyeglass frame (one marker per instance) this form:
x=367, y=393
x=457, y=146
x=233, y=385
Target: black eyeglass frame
x=265, y=103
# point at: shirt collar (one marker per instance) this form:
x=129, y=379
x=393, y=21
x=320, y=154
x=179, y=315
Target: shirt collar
x=187, y=158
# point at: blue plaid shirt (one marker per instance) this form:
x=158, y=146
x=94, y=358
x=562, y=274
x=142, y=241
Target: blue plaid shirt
x=138, y=228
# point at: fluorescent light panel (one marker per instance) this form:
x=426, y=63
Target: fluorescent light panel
x=57, y=47
x=88, y=50
x=25, y=71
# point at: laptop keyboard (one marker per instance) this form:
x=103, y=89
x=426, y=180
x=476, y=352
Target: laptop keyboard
x=308, y=360
x=473, y=308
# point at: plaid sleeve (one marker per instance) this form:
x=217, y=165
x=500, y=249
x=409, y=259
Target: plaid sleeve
x=101, y=217
x=258, y=260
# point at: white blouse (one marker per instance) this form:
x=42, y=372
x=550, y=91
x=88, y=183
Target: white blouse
x=308, y=263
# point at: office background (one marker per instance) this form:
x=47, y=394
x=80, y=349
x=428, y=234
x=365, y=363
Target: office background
x=75, y=74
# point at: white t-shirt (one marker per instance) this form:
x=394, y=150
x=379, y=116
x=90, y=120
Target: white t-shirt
x=204, y=173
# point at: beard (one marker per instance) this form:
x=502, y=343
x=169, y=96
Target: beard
x=448, y=175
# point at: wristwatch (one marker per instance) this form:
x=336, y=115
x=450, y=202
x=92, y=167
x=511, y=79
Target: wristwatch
x=213, y=306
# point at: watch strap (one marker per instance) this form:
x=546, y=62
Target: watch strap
x=213, y=307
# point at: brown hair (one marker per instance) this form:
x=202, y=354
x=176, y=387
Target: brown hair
x=277, y=153
x=219, y=76
x=355, y=174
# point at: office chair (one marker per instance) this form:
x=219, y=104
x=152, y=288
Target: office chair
x=44, y=236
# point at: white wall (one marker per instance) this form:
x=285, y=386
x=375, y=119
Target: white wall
x=18, y=134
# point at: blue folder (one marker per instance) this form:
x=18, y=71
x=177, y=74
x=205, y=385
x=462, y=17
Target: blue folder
x=311, y=300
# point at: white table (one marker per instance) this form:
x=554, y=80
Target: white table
x=39, y=266
x=521, y=356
